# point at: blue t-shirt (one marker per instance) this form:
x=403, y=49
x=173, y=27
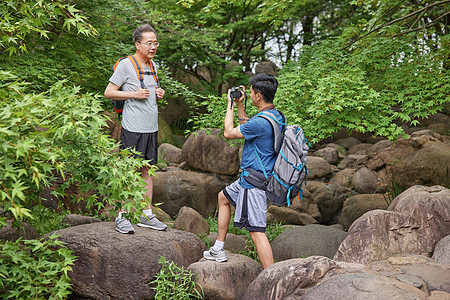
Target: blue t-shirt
x=258, y=131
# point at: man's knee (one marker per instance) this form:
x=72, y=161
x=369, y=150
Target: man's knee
x=222, y=199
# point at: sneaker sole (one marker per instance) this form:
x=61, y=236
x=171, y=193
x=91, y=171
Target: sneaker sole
x=150, y=226
x=124, y=232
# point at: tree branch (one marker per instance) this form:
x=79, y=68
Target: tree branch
x=397, y=20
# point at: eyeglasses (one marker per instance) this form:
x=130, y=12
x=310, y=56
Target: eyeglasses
x=149, y=44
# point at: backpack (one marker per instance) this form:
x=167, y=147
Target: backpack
x=289, y=171
x=119, y=104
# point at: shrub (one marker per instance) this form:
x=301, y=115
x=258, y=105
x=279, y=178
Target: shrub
x=173, y=282
x=35, y=269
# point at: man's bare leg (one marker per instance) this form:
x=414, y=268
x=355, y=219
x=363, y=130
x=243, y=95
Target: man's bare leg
x=263, y=248
x=224, y=217
x=149, y=185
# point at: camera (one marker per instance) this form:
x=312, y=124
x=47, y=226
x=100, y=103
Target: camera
x=235, y=92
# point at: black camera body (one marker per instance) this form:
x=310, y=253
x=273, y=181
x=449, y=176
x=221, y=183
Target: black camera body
x=236, y=92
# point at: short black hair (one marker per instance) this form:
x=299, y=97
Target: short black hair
x=266, y=85
x=137, y=34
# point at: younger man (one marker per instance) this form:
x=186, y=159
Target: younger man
x=140, y=115
x=250, y=202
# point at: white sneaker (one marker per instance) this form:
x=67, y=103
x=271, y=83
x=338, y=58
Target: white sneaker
x=218, y=256
x=124, y=226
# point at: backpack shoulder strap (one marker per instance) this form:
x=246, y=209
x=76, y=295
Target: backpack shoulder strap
x=153, y=73
x=276, y=125
x=137, y=67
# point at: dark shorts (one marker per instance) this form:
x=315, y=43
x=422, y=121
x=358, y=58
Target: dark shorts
x=145, y=143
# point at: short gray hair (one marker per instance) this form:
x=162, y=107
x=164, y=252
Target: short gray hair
x=137, y=34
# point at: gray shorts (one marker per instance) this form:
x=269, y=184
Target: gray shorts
x=251, y=206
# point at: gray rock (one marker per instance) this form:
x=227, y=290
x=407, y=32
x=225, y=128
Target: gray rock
x=177, y=188
x=234, y=243
x=365, y=181
x=308, y=240
x=363, y=286
x=379, y=234
x=75, y=220
x=437, y=277
x=190, y=220
x=347, y=143
x=290, y=216
x=383, y=144
x=317, y=167
x=356, y=206
x=111, y=265
x=211, y=153
x=12, y=233
x=442, y=251
x=344, y=177
x=330, y=154
x=360, y=149
x=289, y=279
x=170, y=153
x=430, y=206
x=427, y=132
x=329, y=198
x=352, y=161
x=226, y=281
x=306, y=204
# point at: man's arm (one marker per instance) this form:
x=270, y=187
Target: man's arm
x=231, y=132
x=112, y=92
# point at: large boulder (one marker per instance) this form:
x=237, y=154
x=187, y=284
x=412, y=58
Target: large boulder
x=317, y=277
x=363, y=286
x=226, y=281
x=430, y=206
x=378, y=234
x=210, y=152
x=344, y=177
x=170, y=153
x=330, y=154
x=289, y=279
x=308, y=240
x=365, y=181
x=355, y=206
x=177, y=188
x=442, y=251
x=427, y=166
x=318, y=167
x=190, y=220
x=414, y=223
x=111, y=265
x=75, y=220
x=348, y=142
x=11, y=232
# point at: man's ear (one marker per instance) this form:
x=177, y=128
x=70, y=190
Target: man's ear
x=259, y=96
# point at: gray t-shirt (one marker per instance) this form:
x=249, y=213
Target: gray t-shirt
x=139, y=115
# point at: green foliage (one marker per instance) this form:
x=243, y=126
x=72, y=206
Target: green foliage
x=45, y=220
x=22, y=19
x=35, y=269
x=174, y=282
x=59, y=134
